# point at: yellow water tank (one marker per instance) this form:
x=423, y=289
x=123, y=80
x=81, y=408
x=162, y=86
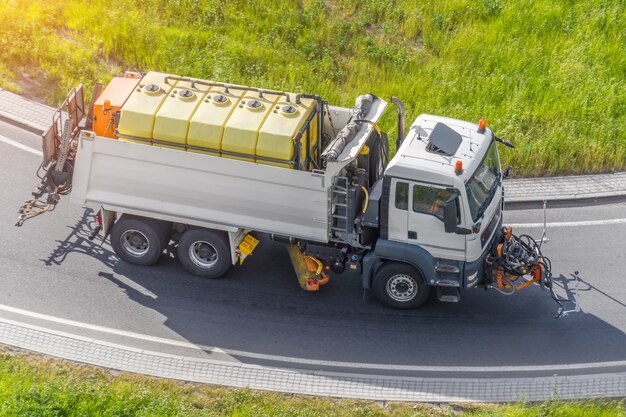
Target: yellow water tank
x=139, y=112
x=287, y=118
x=173, y=118
x=242, y=128
x=207, y=124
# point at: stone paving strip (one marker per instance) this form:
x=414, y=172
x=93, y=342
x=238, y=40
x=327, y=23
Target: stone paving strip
x=573, y=187
x=29, y=114
x=332, y=384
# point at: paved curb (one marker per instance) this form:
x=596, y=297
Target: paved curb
x=565, y=190
x=27, y=114
x=331, y=384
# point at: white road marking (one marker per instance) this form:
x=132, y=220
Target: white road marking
x=20, y=146
x=569, y=224
x=289, y=359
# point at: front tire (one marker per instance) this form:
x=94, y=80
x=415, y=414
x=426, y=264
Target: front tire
x=137, y=240
x=400, y=286
x=204, y=253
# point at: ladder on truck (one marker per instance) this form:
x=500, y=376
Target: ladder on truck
x=339, y=201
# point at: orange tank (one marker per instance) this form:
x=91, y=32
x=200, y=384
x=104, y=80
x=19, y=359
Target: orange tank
x=110, y=101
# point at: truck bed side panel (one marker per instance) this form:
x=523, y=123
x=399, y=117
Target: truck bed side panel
x=194, y=187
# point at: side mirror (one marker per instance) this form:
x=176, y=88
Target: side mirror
x=450, y=214
x=507, y=172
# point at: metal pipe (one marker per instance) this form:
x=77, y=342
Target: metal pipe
x=308, y=143
x=283, y=239
x=297, y=149
x=176, y=78
x=261, y=91
x=401, y=121
x=320, y=129
x=306, y=123
x=243, y=88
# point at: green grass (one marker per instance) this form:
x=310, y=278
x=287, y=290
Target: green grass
x=32, y=385
x=549, y=76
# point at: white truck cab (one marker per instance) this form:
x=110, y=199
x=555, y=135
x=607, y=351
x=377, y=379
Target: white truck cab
x=444, y=203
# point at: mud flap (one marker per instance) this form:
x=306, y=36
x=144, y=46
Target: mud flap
x=108, y=219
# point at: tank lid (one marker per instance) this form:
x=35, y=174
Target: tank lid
x=254, y=104
x=152, y=89
x=185, y=93
x=219, y=99
x=288, y=109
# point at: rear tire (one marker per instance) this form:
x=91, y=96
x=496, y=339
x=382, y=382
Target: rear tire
x=137, y=240
x=400, y=286
x=204, y=253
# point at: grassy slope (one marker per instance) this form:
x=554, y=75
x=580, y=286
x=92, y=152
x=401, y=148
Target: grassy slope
x=549, y=76
x=31, y=385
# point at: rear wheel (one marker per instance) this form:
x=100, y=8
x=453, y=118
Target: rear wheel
x=400, y=286
x=137, y=240
x=204, y=253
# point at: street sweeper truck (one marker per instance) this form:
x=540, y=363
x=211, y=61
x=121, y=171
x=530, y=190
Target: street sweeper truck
x=210, y=167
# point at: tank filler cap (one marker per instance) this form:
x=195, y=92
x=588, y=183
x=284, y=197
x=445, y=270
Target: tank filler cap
x=219, y=99
x=254, y=104
x=186, y=94
x=289, y=110
x=152, y=89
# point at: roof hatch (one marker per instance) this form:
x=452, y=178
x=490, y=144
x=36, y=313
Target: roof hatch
x=444, y=140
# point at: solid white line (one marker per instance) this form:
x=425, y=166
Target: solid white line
x=301, y=361
x=20, y=146
x=570, y=224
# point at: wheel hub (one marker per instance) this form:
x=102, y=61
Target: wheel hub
x=402, y=288
x=203, y=254
x=135, y=243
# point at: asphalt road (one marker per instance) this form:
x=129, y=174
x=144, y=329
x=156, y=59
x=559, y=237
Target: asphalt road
x=52, y=276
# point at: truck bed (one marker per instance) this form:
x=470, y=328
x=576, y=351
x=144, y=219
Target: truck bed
x=209, y=191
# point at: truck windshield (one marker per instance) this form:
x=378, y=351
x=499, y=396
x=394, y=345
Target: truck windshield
x=482, y=186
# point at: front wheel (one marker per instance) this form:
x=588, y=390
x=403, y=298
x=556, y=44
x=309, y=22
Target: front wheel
x=400, y=286
x=204, y=253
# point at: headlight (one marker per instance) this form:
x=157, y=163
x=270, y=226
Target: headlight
x=472, y=277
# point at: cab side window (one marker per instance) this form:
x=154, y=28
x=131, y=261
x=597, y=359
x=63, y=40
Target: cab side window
x=402, y=195
x=430, y=200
